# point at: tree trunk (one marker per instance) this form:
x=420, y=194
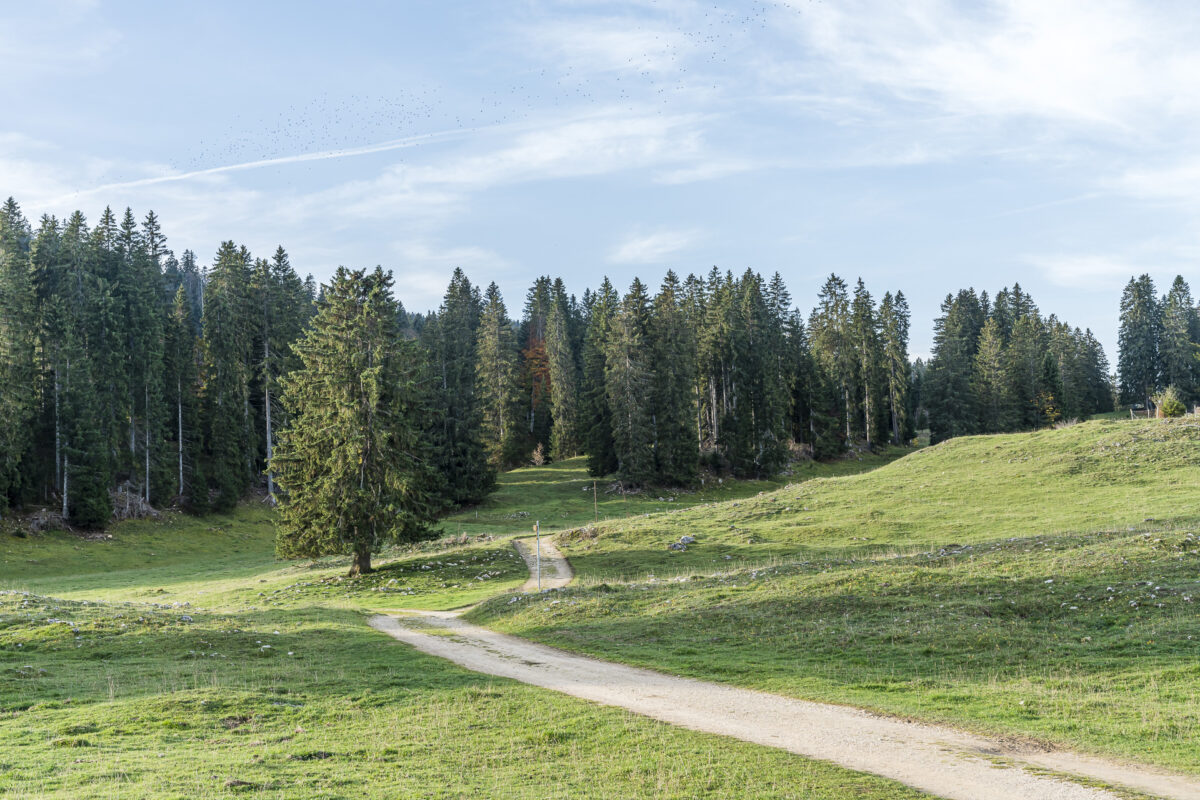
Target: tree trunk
x=362, y=562
x=179, y=423
x=146, y=435
x=58, y=473
x=267, y=407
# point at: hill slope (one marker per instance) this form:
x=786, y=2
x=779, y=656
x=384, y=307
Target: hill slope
x=1034, y=585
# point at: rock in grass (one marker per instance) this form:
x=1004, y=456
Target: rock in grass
x=687, y=539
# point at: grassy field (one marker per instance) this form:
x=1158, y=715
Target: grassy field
x=180, y=659
x=560, y=495
x=1041, y=586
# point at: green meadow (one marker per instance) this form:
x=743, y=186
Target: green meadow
x=1041, y=586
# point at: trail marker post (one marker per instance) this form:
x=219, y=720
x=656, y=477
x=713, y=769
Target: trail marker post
x=595, y=502
x=537, y=529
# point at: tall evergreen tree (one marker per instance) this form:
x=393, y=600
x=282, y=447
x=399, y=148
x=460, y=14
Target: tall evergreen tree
x=628, y=380
x=563, y=367
x=832, y=341
x=17, y=336
x=947, y=391
x=990, y=380
x=496, y=381
x=1179, y=343
x=597, y=412
x=1138, y=364
x=229, y=435
x=458, y=448
x=893, y=324
x=673, y=356
x=353, y=464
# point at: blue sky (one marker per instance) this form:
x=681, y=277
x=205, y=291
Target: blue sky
x=925, y=146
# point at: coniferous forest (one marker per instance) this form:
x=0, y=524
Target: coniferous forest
x=133, y=378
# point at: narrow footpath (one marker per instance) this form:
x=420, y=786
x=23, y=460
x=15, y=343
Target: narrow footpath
x=942, y=761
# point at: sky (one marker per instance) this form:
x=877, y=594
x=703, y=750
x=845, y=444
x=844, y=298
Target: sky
x=924, y=146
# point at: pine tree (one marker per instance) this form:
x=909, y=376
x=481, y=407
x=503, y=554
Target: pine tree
x=947, y=390
x=628, y=381
x=832, y=342
x=1179, y=344
x=872, y=377
x=990, y=381
x=353, y=465
x=17, y=328
x=496, y=381
x=229, y=434
x=1138, y=365
x=450, y=339
x=893, y=323
x=536, y=390
x=564, y=433
x=597, y=412
x=674, y=359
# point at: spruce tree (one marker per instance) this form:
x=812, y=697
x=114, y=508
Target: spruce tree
x=17, y=336
x=893, y=324
x=496, y=381
x=1138, y=364
x=832, y=341
x=628, y=379
x=597, y=411
x=990, y=381
x=674, y=359
x=564, y=380
x=1179, y=342
x=353, y=464
x=450, y=339
x=229, y=434
x=947, y=391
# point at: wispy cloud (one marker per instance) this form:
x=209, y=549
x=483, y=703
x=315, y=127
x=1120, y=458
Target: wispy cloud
x=653, y=248
x=1098, y=63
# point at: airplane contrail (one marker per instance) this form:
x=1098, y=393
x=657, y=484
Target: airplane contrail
x=324, y=155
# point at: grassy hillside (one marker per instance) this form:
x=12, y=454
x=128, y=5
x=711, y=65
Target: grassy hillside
x=1043, y=586
x=1095, y=476
x=559, y=495
x=179, y=659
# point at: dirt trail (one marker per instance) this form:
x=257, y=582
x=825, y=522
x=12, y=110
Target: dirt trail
x=942, y=761
x=556, y=571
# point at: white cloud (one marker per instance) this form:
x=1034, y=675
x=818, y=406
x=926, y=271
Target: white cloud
x=653, y=248
x=1086, y=271
x=1097, y=63
x=597, y=44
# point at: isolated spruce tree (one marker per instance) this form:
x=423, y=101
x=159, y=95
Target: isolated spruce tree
x=353, y=465
x=1138, y=364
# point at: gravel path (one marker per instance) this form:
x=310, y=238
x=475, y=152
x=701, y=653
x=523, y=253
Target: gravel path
x=942, y=761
